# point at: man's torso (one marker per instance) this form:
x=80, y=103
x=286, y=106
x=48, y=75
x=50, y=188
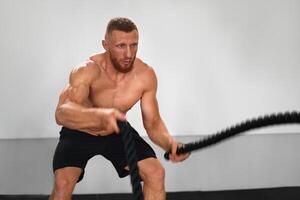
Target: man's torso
x=121, y=94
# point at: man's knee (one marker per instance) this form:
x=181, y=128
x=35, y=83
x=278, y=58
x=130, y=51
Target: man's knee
x=63, y=188
x=61, y=184
x=153, y=172
x=158, y=173
x=64, y=183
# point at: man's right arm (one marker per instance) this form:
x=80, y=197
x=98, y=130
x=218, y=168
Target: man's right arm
x=74, y=110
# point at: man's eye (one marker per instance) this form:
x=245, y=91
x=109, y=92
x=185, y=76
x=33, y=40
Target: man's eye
x=121, y=46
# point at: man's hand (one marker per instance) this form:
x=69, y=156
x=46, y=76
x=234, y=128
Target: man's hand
x=106, y=120
x=177, y=158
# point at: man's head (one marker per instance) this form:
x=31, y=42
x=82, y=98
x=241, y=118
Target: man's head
x=121, y=43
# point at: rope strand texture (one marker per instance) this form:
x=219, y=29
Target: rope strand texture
x=267, y=120
x=130, y=152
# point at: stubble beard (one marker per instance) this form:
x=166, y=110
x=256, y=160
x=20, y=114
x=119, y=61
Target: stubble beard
x=118, y=66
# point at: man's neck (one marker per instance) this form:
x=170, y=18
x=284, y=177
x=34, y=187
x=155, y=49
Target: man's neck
x=114, y=74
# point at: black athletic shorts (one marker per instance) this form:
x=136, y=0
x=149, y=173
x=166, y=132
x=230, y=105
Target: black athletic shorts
x=75, y=148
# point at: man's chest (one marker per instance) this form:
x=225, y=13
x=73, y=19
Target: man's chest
x=109, y=94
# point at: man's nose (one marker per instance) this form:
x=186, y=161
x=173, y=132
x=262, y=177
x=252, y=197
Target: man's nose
x=128, y=52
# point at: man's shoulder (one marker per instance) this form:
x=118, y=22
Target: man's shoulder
x=87, y=67
x=144, y=68
x=147, y=74
x=97, y=58
x=86, y=71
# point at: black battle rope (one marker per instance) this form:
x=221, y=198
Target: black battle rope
x=130, y=151
x=268, y=120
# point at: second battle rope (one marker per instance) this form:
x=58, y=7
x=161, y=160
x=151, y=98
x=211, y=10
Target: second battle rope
x=268, y=120
x=130, y=151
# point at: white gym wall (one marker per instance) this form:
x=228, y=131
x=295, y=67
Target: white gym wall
x=217, y=62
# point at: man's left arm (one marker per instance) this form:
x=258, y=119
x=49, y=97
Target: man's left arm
x=153, y=122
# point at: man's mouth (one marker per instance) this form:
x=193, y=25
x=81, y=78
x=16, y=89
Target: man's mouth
x=127, y=62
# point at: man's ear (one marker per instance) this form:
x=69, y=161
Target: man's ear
x=105, y=44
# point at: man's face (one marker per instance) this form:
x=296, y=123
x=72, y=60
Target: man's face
x=122, y=48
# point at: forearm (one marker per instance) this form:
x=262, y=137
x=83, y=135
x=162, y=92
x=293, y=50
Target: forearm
x=76, y=116
x=159, y=134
